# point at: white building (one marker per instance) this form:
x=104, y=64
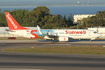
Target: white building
x=80, y=17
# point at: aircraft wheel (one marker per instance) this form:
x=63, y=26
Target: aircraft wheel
x=52, y=41
x=90, y=40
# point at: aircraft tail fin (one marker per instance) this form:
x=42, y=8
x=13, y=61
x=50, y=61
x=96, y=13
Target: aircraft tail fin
x=12, y=24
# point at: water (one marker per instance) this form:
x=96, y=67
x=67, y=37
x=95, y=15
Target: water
x=74, y=10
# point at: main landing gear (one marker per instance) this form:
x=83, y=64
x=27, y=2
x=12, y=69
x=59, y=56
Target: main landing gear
x=90, y=40
x=52, y=41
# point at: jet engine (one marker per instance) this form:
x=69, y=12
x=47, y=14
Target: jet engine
x=49, y=38
x=63, y=38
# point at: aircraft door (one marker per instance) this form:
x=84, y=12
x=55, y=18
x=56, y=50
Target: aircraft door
x=89, y=34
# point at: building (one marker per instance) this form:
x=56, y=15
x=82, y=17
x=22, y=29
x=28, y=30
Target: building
x=80, y=17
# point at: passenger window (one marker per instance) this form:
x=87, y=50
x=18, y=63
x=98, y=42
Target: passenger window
x=61, y=32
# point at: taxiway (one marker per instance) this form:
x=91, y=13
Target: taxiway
x=39, y=61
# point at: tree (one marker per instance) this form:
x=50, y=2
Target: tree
x=71, y=18
x=70, y=21
x=48, y=26
x=19, y=15
x=44, y=10
x=39, y=15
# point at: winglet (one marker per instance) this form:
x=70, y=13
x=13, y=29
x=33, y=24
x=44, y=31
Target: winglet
x=39, y=30
x=12, y=24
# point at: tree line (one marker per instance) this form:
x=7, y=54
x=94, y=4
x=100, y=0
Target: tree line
x=38, y=16
x=41, y=16
x=97, y=20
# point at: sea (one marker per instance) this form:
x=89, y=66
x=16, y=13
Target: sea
x=74, y=10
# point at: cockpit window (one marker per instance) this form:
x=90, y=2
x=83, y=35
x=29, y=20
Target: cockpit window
x=95, y=32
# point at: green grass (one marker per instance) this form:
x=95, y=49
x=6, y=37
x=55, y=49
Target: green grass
x=97, y=50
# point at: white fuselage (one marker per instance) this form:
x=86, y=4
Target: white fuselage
x=70, y=33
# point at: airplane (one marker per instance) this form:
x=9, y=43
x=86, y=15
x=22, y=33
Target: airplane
x=49, y=34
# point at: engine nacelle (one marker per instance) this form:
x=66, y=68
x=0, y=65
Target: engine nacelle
x=63, y=38
x=47, y=37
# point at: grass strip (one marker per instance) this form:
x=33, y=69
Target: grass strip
x=96, y=50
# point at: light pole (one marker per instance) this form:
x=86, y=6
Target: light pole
x=33, y=24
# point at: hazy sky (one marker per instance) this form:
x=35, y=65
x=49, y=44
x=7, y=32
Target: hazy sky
x=59, y=0
x=100, y=1
x=50, y=2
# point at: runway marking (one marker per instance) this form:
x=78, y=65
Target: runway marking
x=18, y=69
x=32, y=44
x=57, y=44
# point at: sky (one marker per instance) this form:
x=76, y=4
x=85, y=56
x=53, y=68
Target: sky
x=50, y=2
